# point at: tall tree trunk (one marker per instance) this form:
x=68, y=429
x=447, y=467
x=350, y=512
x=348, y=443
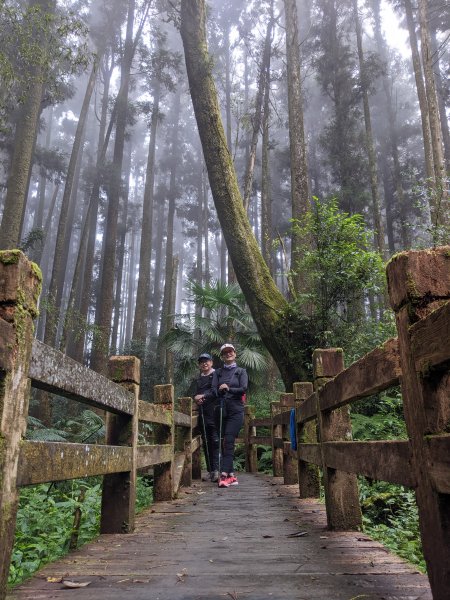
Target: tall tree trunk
x=392, y=131
x=266, y=195
x=170, y=223
x=439, y=199
x=169, y=317
x=267, y=305
x=64, y=227
x=24, y=144
x=297, y=143
x=440, y=91
x=376, y=212
x=100, y=346
x=141, y=314
x=85, y=258
x=157, y=283
x=421, y=94
x=256, y=121
x=122, y=230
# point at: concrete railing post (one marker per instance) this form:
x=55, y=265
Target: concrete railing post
x=308, y=474
x=119, y=489
x=164, y=434
x=418, y=283
x=341, y=489
x=20, y=286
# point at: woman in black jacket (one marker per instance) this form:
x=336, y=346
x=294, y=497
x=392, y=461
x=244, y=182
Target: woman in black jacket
x=229, y=385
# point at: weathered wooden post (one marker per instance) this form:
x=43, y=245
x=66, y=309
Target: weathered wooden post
x=251, y=455
x=119, y=489
x=20, y=286
x=184, y=441
x=341, y=489
x=290, y=468
x=419, y=283
x=308, y=474
x=164, y=434
x=276, y=433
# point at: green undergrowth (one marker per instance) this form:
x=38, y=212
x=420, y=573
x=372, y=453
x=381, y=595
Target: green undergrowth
x=45, y=521
x=390, y=517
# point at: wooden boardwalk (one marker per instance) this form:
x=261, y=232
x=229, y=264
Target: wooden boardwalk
x=236, y=543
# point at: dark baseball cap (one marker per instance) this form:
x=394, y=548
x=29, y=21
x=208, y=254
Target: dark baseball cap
x=204, y=356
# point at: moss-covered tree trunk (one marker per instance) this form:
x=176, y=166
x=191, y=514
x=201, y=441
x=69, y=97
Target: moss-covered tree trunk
x=24, y=142
x=265, y=301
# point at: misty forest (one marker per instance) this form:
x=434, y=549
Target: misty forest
x=187, y=175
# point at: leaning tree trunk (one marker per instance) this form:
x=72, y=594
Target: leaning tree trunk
x=299, y=171
x=267, y=305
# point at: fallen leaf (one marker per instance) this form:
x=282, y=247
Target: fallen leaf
x=182, y=575
x=75, y=584
x=211, y=560
x=298, y=534
x=54, y=579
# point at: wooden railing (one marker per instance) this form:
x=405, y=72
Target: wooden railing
x=174, y=454
x=418, y=360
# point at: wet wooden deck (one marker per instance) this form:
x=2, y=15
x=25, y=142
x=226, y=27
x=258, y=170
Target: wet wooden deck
x=233, y=543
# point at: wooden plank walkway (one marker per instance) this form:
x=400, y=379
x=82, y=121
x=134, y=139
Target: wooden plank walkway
x=232, y=543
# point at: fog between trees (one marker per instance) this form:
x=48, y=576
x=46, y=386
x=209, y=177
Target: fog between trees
x=105, y=186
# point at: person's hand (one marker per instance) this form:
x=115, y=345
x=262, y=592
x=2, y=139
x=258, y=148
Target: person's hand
x=223, y=387
x=199, y=398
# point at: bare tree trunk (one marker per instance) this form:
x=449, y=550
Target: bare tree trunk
x=122, y=230
x=64, y=228
x=392, y=132
x=100, y=346
x=85, y=258
x=376, y=212
x=439, y=199
x=440, y=91
x=172, y=291
x=266, y=195
x=256, y=121
x=141, y=314
x=299, y=171
x=170, y=225
x=421, y=94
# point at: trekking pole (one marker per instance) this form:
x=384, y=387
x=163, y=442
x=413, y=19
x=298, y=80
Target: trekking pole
x=220, y=436
x=208, y=461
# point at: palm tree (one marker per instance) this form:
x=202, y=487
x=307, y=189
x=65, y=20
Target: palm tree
x=222, y=316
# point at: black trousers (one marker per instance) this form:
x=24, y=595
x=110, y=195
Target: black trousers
x=210, y=437
x=232, y=421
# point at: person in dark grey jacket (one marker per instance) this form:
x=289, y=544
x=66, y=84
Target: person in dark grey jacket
x=229, y=385
x=205, y=400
